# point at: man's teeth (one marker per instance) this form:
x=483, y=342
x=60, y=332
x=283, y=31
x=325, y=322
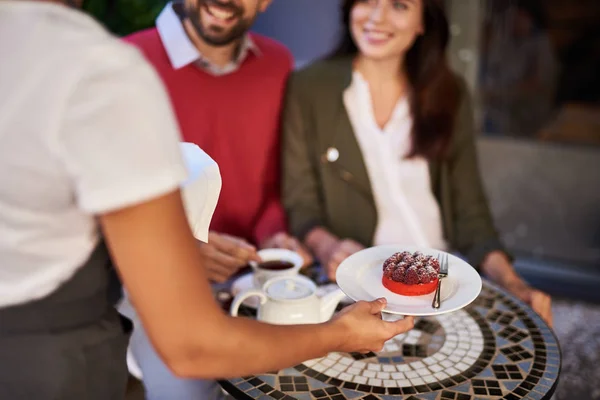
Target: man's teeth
x=219, y=13
x=378, y=35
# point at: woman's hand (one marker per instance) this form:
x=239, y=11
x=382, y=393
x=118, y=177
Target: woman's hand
x=499, y=269
x=538, y=300
x=330, y=250
x=341, y=250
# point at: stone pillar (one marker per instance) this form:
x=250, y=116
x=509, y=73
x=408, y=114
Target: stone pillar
x=466, y=22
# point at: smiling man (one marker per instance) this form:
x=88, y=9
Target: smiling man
x=221, y=23
x=226, y=86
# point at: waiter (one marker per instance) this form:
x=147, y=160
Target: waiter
x=84, y=131
x=88, y=149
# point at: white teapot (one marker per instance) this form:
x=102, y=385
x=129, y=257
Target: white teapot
x=290, y=300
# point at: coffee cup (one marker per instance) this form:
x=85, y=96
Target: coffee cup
x=275, y=263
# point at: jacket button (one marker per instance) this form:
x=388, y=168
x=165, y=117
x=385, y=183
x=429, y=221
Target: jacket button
x=332, y=154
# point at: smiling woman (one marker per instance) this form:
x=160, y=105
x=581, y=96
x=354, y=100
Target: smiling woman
x=402, y=127
x=417, y=32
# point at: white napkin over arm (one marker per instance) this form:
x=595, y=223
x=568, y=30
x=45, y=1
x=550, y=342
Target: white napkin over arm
x=201, y=190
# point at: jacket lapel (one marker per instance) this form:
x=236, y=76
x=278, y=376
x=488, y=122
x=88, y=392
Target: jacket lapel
x=350, y=163
x=343, y=153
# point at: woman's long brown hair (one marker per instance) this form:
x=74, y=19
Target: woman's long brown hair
x=434, y=89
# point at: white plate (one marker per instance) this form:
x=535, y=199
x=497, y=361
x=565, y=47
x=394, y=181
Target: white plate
x=359, y=276
x=247, y=282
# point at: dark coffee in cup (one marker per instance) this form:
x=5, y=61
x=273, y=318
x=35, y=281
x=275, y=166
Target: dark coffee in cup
x=276, y=265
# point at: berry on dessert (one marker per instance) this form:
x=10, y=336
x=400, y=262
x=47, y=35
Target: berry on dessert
x=418, y=264
x=398, y=274
x=434, y=263
x=421, y=257
x=403, y=265
x=389, y=271
x=409, y=259
x=431, y=272
x=410, y=274
x=411, y=277
x=396, y=258
x=424, y=276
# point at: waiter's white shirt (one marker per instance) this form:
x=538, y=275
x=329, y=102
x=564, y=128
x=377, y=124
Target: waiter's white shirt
x=407, y=210
x=85, y=128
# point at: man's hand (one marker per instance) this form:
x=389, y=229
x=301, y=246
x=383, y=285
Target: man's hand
x=341, y=250
x=224, y=255
x=282, y=240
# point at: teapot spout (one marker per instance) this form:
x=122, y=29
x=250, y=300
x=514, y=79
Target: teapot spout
x=329, y=302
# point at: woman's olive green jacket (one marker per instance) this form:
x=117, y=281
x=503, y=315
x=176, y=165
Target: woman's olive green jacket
x=336, y=193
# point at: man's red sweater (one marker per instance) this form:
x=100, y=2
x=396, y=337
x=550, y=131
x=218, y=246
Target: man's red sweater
x=235, y=119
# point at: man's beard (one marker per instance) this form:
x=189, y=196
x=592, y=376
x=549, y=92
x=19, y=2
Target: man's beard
x=214, y=35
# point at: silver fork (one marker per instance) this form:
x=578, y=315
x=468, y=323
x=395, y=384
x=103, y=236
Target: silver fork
x=443, y=259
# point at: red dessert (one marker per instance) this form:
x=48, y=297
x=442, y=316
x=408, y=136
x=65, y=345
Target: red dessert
x=410, y=274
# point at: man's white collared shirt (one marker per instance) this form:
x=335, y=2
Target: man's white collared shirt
x=182, y=52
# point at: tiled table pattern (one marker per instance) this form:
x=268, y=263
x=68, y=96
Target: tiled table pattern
x=494, y=349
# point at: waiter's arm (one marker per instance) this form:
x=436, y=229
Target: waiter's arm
x=159, y=262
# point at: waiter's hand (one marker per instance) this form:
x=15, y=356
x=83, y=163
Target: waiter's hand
x=282, y=240
x=224, y=255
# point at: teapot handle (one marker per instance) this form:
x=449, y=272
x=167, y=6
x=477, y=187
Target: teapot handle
x=240, y=297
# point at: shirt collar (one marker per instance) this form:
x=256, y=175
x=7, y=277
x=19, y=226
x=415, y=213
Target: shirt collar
x=182, y=52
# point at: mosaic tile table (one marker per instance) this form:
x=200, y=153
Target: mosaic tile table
x=496, y=348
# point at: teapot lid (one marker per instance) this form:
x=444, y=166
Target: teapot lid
x=290, y=288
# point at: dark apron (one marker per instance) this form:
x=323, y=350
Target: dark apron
x=70, y=345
